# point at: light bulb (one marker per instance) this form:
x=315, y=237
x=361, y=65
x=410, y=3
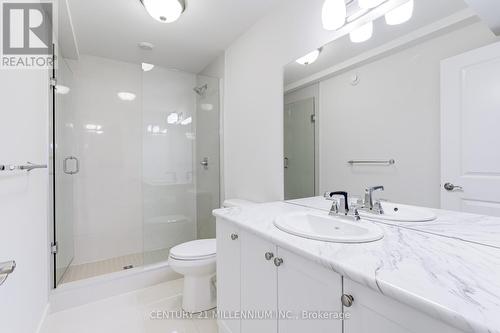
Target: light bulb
x=367, y=4
x=309, y=58
x=164, y=11
x=400, y=14
x=333, y=14
x=362, y=34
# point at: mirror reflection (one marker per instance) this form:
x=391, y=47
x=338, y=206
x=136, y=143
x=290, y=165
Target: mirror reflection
x=401, y=110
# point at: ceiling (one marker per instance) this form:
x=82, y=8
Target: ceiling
x=425, y=13
x=112, y=29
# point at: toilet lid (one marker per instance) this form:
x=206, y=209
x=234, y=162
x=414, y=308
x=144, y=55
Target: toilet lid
x=197, y=249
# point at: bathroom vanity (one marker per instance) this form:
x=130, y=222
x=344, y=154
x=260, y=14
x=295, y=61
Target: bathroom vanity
x=408, y=281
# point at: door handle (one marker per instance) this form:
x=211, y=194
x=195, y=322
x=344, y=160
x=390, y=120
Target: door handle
x=6, y=268
x=286, y=163
x=451, y=187
x=65, y=165
x=204, y=163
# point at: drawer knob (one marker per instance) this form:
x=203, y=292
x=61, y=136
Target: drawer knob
x=269, y=255
x=234, y=236
x=347, y=300
x=278, y=262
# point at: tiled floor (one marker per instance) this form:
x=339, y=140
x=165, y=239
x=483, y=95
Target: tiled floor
x=84, y=271
x=131, y=313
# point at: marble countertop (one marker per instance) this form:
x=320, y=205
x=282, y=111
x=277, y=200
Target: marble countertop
x=472, y=228
x=451, y=280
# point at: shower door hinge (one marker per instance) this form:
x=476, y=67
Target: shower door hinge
x=54, y=247
x=53, y=82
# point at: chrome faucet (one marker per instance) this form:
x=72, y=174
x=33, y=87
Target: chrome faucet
x=340, y=205
x=369, y=204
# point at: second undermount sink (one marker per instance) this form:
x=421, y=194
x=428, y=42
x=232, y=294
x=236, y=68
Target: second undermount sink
x=328, y=228
x=400, y=213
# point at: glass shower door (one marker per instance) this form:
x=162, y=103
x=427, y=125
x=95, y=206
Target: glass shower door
x=64, y=168
x=299, y=139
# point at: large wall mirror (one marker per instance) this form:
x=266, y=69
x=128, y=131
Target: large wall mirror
x=413, y=107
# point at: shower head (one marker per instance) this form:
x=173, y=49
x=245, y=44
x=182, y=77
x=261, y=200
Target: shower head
x=201, y=90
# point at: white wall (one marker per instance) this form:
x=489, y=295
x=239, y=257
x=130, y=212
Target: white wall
x=253, y=104
x=394, y=112
x=215, y=68
x=24, y=95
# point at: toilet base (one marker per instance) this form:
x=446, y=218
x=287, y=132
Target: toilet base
x=199, y=293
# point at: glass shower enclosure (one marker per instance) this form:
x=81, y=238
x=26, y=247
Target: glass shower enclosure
x=135, y=164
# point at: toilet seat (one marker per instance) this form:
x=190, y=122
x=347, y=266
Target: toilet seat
x=195, y=250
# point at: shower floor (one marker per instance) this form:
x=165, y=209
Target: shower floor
x=112, y=265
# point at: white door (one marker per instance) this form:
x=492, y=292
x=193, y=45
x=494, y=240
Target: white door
x=470, y=133
x=258, y=285
x=228, y=275
x=299, y=149
x=306, y=286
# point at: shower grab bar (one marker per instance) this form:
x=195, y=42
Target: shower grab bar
x=383, y=162
x=28, y=167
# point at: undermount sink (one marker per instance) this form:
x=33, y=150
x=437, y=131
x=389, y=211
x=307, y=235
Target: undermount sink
x=400, y=213
x=328, y=228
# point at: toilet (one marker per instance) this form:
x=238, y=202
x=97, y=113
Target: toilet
x=196, y=261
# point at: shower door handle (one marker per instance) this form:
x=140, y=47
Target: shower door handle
x=65, y=165
x=204, y=163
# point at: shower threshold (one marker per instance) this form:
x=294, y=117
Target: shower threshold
x=112, y=265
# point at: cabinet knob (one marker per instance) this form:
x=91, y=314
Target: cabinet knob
x=269, y=255
x=278, y=262
x=347, y=300
x=234, y=236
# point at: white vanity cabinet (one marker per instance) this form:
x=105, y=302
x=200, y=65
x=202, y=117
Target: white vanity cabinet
x=375, y=313
x=272, y=282
x=228, y=275
x=256, y=277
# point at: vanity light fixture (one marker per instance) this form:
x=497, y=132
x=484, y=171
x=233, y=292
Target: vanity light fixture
x=333, y=14
x=164, y=11
x=362, y=34
x=309, y=58
x=400, y=14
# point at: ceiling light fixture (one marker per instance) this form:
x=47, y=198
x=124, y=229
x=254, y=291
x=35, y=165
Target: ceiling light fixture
x=126, y=96
x=145, y=46
x=400, y=14
x=362, y=34
x=333, y=14
x=367, y=4
x=164, y=11
x=309, y=58
x=147, y=67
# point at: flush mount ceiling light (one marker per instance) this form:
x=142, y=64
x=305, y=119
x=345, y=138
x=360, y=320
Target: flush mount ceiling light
x=362, y=34
x=333, y=14
x=164, y=11
x=147, y=67
x=126, y=96
x=400, y=14
x=145, y=46
x=367, y=4
x=309, y=58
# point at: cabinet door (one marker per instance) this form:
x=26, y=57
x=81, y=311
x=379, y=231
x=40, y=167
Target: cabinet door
x=228, y=274
x=258, y=285
x=372, y=312
x=306, y=289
